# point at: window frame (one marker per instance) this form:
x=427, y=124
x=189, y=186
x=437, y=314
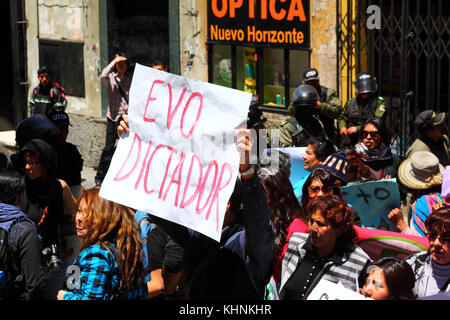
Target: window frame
x=259, y=69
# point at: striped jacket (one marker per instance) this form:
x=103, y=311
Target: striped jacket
x=423, y=271
x=347, y=272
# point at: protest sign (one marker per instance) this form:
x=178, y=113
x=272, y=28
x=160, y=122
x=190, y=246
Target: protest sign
x=327, y=290
x=373, y=200
x=179, y=161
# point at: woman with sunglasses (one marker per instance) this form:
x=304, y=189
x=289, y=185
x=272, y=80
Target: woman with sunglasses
x=375, y=149
x=432, y=267
x=327, y=180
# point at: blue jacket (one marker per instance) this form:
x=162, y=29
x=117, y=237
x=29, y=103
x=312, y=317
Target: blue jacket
x=24, y=247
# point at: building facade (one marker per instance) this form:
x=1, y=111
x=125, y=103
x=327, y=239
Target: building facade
x=78, y=38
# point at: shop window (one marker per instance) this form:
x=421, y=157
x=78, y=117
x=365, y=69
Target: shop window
x=274, y=77
x=271, y=74
x=246, y=69
x=221, y=66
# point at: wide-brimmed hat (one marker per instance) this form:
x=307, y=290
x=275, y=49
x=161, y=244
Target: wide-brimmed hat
x=421, y=171
x=337, y=165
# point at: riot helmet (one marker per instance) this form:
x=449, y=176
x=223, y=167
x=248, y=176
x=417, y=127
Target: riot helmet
x=365, y=84
x=305, y=96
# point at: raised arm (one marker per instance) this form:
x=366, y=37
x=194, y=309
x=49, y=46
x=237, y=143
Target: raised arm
x=259, y=236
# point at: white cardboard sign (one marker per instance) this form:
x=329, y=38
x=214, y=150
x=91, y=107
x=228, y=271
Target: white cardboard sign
x=327, y=290
x=179, y=161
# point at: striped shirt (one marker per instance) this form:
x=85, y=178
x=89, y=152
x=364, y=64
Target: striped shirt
x=346, y=271
x=117, y=104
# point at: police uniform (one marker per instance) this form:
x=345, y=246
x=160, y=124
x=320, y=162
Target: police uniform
x=330, y=104
x=304, y=123
x=356, y=111
x=330, y=109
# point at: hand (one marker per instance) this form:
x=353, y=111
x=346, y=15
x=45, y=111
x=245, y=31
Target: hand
x=396, y=217
x=61, y=294
x=343, y=131
x=318, y=105
x=123, y=125
x=386, y=178
x=436, y=206
x=119, y=59
x=352, y=130
x=244, y=144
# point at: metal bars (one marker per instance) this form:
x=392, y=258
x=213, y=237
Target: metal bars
x=409, y=55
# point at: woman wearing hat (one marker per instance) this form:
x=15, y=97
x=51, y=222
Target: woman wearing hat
x=328, y=179
x=421, y=174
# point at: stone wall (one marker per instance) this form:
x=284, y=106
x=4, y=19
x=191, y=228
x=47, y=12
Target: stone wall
x=88, y=134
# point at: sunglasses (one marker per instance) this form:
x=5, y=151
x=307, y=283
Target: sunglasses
x=316, y=189
x=373, y=134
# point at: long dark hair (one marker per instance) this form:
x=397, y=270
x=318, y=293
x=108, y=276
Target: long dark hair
x=12, y=184
x=381, y=127
x=399, y=277
x=329, y=182
x=283, y=203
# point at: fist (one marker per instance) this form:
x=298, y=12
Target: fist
x=395, y=215
x=343, y=131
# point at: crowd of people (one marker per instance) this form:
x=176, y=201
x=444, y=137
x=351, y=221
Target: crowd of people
x=280, y=239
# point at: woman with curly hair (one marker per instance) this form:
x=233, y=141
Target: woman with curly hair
x=328, y=252
x=286, y=213
x=111, y=257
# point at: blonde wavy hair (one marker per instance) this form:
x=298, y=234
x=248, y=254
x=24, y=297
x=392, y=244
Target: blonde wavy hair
x=112, y=223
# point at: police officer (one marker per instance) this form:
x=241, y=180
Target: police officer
x=305, y=123
x=367, y=104
x=328, y=105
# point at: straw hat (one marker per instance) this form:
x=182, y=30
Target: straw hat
x=421, y=171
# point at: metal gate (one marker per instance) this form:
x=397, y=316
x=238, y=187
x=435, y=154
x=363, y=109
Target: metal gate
x=408, y=51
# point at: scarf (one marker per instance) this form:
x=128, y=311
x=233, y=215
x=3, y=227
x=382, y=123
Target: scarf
x=10, y=215
x=381, y=153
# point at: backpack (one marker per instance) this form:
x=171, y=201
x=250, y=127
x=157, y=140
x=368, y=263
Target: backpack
x=7, y=291
x=57, y=98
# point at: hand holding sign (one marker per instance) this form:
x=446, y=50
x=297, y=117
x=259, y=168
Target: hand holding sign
x=244, y=144
x=179, y=160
